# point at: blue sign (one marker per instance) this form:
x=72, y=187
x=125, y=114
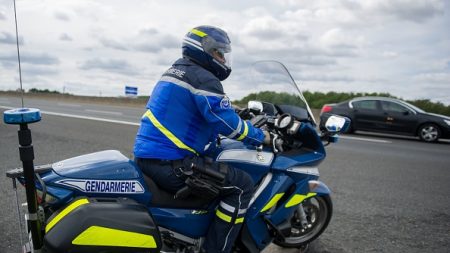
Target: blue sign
x=131, y=91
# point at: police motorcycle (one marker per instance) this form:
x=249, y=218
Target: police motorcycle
x=101, y=202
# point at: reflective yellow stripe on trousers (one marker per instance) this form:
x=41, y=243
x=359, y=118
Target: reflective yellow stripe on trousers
x=228, y=218
x=167, y=133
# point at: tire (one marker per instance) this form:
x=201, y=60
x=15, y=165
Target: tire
x=429, y=132
x=319, y=210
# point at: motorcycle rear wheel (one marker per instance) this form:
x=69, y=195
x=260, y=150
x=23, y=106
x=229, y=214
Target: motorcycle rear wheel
x=319, y=210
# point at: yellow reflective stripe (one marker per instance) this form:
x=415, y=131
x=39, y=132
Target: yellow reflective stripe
x=228, y=218
x=198, y=33
x=101, y=236
x=167, y=133
x=273, y=201
x=223, y=216
x=298, y=198
x=64, y=212
x=239, y=220
x=244, y=134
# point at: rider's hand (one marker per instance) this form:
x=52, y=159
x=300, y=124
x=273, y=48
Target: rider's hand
x=266, y=138
x=245, y=114
x=274, y=141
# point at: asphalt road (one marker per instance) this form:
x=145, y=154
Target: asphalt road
x=390, y=194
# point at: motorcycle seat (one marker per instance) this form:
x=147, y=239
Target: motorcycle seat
x=161, y=198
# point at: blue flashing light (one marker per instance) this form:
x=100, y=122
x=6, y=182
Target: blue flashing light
x=21, y=116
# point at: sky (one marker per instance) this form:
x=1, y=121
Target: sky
x=88, y=47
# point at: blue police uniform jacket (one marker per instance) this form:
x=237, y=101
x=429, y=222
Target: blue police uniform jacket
x=187, y=110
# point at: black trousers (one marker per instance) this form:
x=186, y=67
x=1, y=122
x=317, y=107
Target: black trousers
x=234, y=199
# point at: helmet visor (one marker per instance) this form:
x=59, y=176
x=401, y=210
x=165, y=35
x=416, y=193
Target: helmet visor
x=218, y=50
x=223, y=57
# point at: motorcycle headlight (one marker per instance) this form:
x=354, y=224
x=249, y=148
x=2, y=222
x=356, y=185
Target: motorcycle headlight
x=447, y=122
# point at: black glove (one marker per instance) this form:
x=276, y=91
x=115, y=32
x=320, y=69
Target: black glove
x=246, y=114
x=274, y=141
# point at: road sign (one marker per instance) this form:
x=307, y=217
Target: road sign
x=131, y=91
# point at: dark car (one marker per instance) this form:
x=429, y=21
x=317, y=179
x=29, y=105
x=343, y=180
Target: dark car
x=388, y=115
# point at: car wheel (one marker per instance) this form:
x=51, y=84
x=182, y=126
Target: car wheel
x=429, y=132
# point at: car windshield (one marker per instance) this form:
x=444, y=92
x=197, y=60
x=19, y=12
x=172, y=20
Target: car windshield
x=270, y=81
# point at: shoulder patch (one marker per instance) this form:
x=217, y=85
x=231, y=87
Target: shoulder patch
x=176, y=72
x=225, y=103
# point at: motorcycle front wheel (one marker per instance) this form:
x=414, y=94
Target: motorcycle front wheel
x=318, y=210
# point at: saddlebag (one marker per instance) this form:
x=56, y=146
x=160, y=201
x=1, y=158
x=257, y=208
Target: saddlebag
x=102, y=225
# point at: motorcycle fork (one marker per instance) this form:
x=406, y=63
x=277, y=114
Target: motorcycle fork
x=302, y=216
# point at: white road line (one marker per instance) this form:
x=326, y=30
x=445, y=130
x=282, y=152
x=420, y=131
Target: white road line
x=104, y=112
x=364, y=139
x=82, y=117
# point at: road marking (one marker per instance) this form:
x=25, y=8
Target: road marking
x=104, y=112
x=81, y=117
x=364, y=139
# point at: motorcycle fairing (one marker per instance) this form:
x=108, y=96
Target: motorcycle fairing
x=113, y=225
x=108, y=164
x=256, y=164
x=189, y=222
x=268, y=199
x=288, y=205
x=102, y=174
x=247, y=156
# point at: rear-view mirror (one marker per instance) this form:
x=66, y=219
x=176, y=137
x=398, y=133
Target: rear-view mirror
x=255, y=106
x=337, y=124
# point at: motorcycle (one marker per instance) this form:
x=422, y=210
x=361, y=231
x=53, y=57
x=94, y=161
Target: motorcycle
x=102, y=202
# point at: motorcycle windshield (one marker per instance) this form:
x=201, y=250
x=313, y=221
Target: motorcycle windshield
x=270, y=81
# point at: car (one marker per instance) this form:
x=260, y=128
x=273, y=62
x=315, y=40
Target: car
x=389, y=115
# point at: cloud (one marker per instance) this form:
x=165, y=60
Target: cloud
x=412, y=10
x=109, y=43
x=39, y=59
x=344, y=45
x=389, y=54
x=118, y=66
x=65, y=37
x=61, y=16
x=148, y=40
x=8, y=38
x=32, y=58
x=337, y=38
x=36, y=70
x=266, y=28
x=441, y=77
x=148, y=31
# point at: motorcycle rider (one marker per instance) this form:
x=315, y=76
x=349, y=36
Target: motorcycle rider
x=186, y=111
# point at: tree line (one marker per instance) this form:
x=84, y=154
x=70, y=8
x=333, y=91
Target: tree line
x=315, y=99
x=318, y=99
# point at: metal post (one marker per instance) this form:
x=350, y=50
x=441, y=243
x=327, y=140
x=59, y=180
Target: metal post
x=27, y=157
x=18, y=210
